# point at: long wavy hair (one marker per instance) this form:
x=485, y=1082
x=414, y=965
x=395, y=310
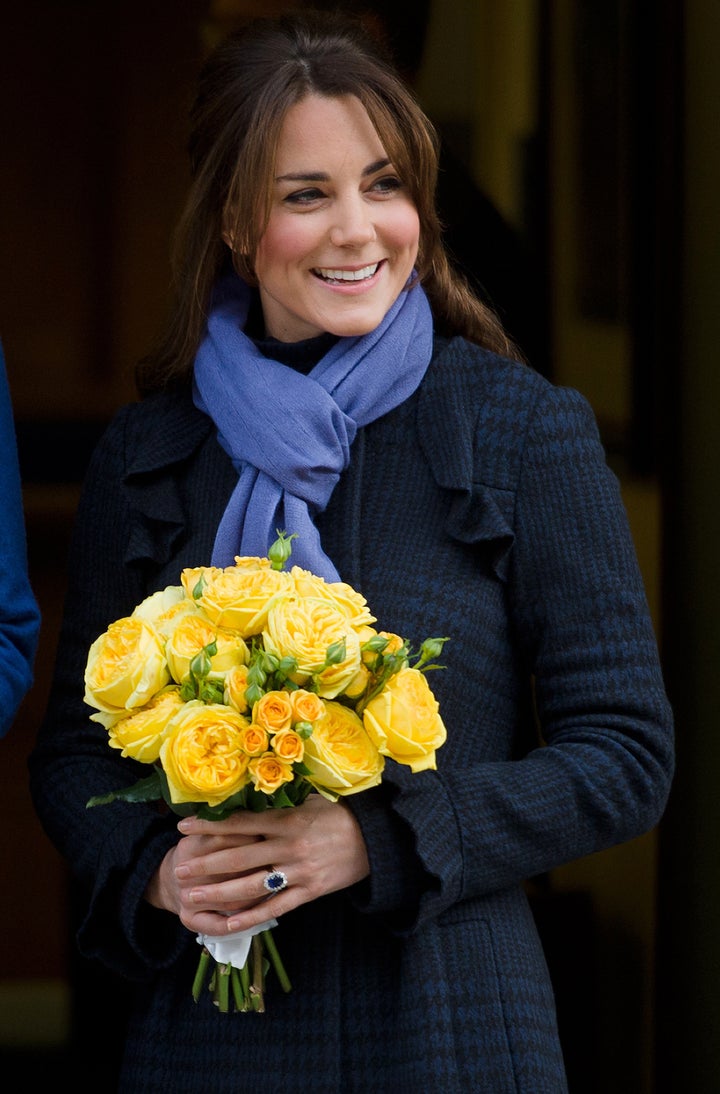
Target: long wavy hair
x=245, y=88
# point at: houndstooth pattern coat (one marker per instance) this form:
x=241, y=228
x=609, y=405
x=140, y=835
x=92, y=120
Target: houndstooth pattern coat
x=481, y=509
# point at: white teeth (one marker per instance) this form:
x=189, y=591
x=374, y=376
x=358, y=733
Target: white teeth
x=347, y=275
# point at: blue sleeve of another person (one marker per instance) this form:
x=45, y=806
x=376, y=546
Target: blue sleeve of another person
x=19, y=613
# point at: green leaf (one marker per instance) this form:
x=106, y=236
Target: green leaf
x=145, y=790
x=280, y=799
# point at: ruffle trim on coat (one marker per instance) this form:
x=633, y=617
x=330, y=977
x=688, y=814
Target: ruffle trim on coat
x=484, y=514
x=157, y=520
x=157, y=516
x=461, y=426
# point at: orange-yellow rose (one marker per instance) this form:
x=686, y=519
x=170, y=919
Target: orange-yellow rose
x=239, y=596
x=254, y=739
x=273, y=711
x=306, y=706
x=126, y=666
x=304, y=629
x=268, y=773
x=340, y=755
x=288, y=746
x=202, y=754
x=404, y=720
x=189, y=634
x=140, y=734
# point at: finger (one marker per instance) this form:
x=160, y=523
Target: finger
x=226, y=863
x=237, y=893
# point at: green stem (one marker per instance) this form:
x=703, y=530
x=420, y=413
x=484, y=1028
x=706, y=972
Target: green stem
x=272, y=950
x=237, y=990
x=223, y=988
x=258, y=985
x=200, y=974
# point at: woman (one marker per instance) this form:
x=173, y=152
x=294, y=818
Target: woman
x=348, y=386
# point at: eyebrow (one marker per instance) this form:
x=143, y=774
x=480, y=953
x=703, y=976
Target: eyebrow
x=321, y=176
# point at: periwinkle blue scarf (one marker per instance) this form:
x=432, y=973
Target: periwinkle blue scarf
x=289, y=435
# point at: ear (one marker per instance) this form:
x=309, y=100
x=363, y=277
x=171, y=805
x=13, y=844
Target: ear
x=228, y=228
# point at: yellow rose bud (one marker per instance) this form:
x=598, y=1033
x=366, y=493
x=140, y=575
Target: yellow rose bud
x=126, y=666
x=273, y=711
x=340, y=755
x=268, y=773
x=190, y=633
x=404, y=720
x=304, y=630
x=306, y=706
x=288, y=746
x=202, y=755
x=141, y=733
x=254, y=740
x=236, y=682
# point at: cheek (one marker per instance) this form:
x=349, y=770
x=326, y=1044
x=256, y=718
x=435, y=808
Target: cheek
x=404, y=231
x=281, y=246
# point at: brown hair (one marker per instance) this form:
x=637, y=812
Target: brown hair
x=245, y=88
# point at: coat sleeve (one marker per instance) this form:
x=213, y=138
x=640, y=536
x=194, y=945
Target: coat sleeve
x=579, y=615
x=19, y=613
x=113, y=849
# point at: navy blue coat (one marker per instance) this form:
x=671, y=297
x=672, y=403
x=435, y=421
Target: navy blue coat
x=481, y=509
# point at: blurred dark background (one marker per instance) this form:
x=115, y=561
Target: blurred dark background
x=581, y=167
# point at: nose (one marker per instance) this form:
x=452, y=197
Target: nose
x=353, y=223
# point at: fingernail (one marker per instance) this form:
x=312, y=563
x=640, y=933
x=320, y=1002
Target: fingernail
x=184, y=825
x=182, y=871
x=197, y=896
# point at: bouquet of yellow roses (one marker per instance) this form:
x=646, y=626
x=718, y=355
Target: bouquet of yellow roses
x=249, y=687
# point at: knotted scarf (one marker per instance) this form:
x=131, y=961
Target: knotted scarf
x=288, y=434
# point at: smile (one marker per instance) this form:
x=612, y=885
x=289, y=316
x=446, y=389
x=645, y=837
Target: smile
x=346, y=275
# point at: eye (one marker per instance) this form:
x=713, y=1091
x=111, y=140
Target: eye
x=388, y=184
x=304, y=197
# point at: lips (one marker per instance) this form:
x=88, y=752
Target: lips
x=344, y=276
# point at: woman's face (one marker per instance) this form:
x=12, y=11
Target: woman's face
x=343, y=233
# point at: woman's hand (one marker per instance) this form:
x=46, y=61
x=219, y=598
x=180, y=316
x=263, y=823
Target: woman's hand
x=213, y=878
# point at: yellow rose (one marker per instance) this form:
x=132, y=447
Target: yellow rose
x=239, y=596
x=191, y=575
x=404, y=720
x=202, y=755
x=343, y=596
x=140, y=734
x=126, y=666
x=162, y=608
x=288, y=746
x=306, y=706
x=254, y=739
x=357, y=685
x=188, y=635
x=273, y=711
x=236, y=682
x=304, y=629
x=340, y=755
x=268, y=773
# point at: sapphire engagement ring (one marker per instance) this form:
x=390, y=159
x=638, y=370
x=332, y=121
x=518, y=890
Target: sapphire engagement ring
x=275, y=880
